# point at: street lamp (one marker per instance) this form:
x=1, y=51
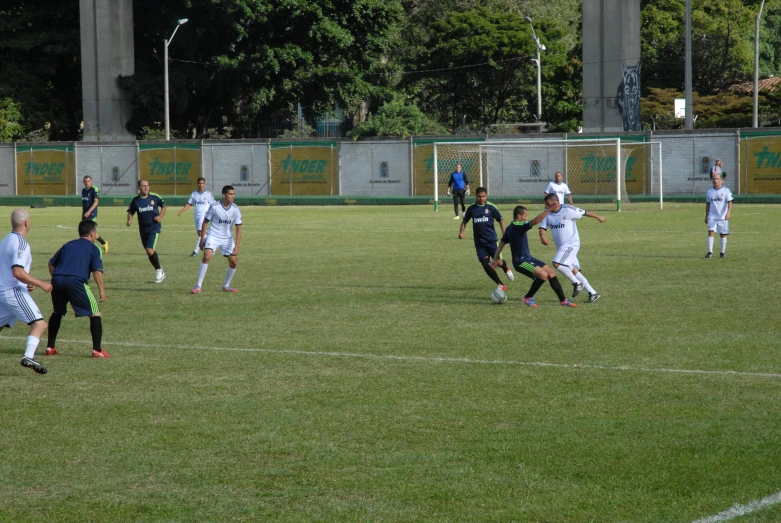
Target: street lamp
x=179, y=22
x=755, y=117
x=536, y=61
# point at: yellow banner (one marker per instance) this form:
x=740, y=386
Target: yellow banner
x=592, y=170
x=762, y=160
x=303, y=170
x=169, y=169
x=447, y=159
x=41, y=170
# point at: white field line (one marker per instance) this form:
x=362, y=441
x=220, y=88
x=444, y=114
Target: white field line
x=741, y=510
x=430, y=359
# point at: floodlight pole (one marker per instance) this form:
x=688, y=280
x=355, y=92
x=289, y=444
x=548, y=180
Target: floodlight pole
x=755, y=114
x=166, y=43
x=538, y=63
x=689, y=123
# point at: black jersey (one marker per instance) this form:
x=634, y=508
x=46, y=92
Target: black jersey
x=483, y=218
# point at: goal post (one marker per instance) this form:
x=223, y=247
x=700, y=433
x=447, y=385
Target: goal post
x=596, y=170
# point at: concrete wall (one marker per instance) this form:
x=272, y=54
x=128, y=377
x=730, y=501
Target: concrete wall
x=7, y=176
x=106, y=53
x=383, y=168
x=611, y=40
x=375, y=169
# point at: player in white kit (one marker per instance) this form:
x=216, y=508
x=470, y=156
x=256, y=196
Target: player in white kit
x=222, y=216
x=718, y=207
x=561, y=222
x=201, y=200
x=559, y=188
x=16, y=304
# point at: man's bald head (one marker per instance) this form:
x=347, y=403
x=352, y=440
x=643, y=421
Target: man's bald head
x=18, y=217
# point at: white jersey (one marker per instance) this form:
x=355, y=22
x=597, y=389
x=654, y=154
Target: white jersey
x=559, y=189
x=221, y=220
x=14, y=252
x=718, y=200
x=562, y=225
x=201, y=202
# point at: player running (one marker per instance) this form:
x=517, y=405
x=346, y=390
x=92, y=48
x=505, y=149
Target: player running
x=559, y=188
x=483, y=215
x=201, y=200
x=90, y=199
x=561, y=221
x=524, y=262
x=70, y=268
x=718, y=207
x=151, y=209
x=221, y=216
x=16, y=304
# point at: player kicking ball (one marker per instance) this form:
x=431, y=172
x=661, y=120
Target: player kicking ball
x=217, y=223
x=561, y=221
x=524, y=262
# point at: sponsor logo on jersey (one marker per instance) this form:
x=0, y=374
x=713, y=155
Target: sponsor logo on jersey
x=717, y=199
x=484, y=219
x=224, y=222
x=559, y=226
x=147, y=208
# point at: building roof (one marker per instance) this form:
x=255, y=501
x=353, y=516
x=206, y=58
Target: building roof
x=767, y=85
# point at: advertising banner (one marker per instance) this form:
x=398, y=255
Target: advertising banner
x=303, y=168
x=761, y=157
x=170, y=169
x=44, y=169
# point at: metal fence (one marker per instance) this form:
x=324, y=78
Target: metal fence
x=338, y=167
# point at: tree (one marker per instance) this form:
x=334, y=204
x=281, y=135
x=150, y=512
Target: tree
x=10, y=116
x=245, y=59
x=397, y=118
x=479, y=68
x=40, y=46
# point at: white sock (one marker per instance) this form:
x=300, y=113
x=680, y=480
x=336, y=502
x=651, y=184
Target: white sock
x=568, y=273
x=710, y=243
x=582, y=279
x=202, y=273
x=197, y=247
x=32, y=344
x=229, y=277
x=724, y=244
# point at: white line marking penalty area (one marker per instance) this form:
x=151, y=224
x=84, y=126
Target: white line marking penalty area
x=434, y=359
x=741, y=510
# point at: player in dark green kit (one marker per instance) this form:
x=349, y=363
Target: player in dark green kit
x=90, y=198
x=524, y=262
x=483, y=215
x=151, y=209
x=70, y=268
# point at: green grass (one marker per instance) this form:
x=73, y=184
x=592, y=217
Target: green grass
x=363, y=374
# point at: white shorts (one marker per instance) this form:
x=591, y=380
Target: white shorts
x=720, y=226
x=199, y=222
x=567, y=256
x=16, y=304
x=225, y=245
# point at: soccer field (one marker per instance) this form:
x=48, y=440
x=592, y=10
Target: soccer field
x=363, y=374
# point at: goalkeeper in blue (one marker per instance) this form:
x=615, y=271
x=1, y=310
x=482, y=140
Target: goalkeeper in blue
x=459, y=185
x=524, y=262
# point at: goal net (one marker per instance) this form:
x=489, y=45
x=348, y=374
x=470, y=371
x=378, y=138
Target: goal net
x=522, y=170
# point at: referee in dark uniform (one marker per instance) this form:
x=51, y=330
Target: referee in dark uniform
x=70, y=268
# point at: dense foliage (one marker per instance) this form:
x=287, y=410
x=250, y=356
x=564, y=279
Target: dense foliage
x=463, y=63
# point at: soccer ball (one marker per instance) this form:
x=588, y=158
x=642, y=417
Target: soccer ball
x=499, y=296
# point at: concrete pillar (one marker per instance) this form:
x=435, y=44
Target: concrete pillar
x=611, y=65
x=106, y=53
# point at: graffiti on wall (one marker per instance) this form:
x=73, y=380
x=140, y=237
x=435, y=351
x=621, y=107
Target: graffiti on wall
x=628, y=97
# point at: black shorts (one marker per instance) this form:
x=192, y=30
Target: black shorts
x=527, y=265
x=149, y=239
x=487, y=249
x=65, y=290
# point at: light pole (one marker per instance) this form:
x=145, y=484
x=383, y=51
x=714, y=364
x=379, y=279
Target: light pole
x=755, y=116
x=536, y=61
x=179, y=22
x=688, y=121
